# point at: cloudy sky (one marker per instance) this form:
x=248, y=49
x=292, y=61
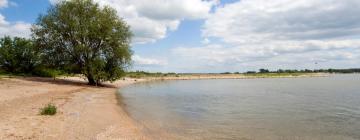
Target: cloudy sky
x=224, y=35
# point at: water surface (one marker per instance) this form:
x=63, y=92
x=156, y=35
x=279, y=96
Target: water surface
x=322, y=108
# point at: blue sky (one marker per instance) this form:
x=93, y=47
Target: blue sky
x=225, y=35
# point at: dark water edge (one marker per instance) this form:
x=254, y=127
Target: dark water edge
x=320, y=108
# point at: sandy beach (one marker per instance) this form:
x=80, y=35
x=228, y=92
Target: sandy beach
x=84, y=112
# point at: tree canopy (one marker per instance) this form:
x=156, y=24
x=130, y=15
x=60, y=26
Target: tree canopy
x=79, y=36
x=18, y=55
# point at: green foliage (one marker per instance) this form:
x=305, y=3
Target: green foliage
x=226, y=73
x=46, y=72
x=354, y=70
x=18, y=55
x=49, y=109
x=264, y=71
x=79, y=36
x=250, y=72
x=142, y=74
x=273, y=74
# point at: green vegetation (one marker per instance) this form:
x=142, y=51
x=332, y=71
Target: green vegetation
x=273, y=74
x=74, y=37
x=354, y=70
x=47, y=72
x=18, y=55
x=264, y=71
x=79, y=36
x=142, y=74
x=226, y=73
x=49, y=109
x=260, y=73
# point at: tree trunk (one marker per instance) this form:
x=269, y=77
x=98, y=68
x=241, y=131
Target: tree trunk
x=91, y=81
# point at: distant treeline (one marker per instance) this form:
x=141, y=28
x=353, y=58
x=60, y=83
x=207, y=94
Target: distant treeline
x=352, y=70
x=138, y=74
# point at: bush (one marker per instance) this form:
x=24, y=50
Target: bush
x=2, y=72
x=50, y=109
x=45, y=72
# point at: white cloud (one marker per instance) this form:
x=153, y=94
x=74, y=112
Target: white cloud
x=275, y=55
x=205, y=41
x=19, y=29
x=4, y=3
x=249, y=21
x=152, y=20
x=282, y=33
x=53, y=2
x=7, y=3
x=222, y=54
x=141, y=61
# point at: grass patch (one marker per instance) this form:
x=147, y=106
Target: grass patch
x=44, y=72
x=49, y=109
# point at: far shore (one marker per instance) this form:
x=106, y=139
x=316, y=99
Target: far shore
x=84, y=112
x=232, y=76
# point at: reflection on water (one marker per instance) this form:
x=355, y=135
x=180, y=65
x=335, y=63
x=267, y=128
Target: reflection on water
x=325, y=108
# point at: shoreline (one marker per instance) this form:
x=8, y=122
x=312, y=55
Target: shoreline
x=231, y=76
x=84, y=112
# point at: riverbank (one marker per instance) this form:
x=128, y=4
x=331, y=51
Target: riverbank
x=233, y=76
x=84, y=112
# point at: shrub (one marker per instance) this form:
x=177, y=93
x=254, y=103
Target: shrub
x=50, y=109
x=45, y=72
x=2, y=72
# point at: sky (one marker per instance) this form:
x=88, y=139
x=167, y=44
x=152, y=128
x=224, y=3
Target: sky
x=223, y=35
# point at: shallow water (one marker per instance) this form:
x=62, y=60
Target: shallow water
x=322, y=108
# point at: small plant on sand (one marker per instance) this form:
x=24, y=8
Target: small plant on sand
x=49, y=109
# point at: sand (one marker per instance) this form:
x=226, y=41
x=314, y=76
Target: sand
x=84, y=112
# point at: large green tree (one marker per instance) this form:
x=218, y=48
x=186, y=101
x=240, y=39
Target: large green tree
x=80, y=36
x=18, y=55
